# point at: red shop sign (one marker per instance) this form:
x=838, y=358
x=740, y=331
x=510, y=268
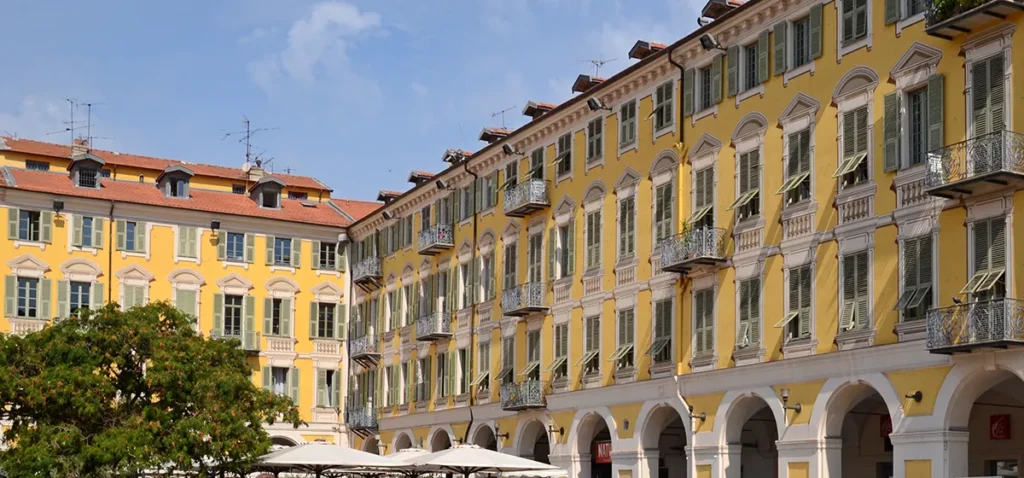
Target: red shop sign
x=999, y=427
x=604, y=452
x=885, y=426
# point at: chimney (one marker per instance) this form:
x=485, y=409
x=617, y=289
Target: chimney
x=255, y=170
x=79, y=147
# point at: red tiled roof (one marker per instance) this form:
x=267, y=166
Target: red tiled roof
x=200, y=199
x=586, y=82
x=355, y=208
x=425, y=174
x=145, y=162
x=642, y=49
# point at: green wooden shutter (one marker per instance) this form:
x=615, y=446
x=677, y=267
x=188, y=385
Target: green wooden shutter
x=321, y=387
x=250, y=248
x=185, y=301
x=814, y=31
x=452, y=362
x=270, y=250
x=249, y=325
x=571, y=244
x=183, y=242
x=457, y=208
x=755, y=311
x=314, y=256
x=218, y=315
x=936, y=111
x=805, y=301
x=76, y=230
x=892, y=11
x=98, y=228
x=286, y=317
x=313, y=330
x=340, y=258
x=551, y=254
x=863, y=315
x=297, y=252
x=997, y=259
x=849, y=132
x=762, y=57
x=687, y=92
x=140, y=237
x=979, y=86
x=62, y=299
x=293, y=379
x=222, y=246
x=268, y=316
x=732, y=70
x=10, y=296
x=339, y=321
x=997, y=100
x=46, y=226
x=698, y=325
x=12, y=223
x=96, y=295
x=780, y=47
x=44, y=299
x=267, y=380
x=716, y=79
x=862, y=129
x=891, y=130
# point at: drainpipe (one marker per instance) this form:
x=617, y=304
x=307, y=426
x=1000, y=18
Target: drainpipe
x=110, y=253
x=682, y=85
x=472, y=313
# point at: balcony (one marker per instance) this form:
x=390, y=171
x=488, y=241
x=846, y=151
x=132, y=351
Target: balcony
x=997, y=323
x=365, y=350
x=361, y=420
x=525, y=198
x=367, y=274
x=523, y=396
x=696, y=247
x=977, y=166
x=523, y=300
x=950, y=18
x=436, y=239
x=434, y=326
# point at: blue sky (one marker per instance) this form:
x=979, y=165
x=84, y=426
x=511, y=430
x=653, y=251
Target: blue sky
x=360, y=92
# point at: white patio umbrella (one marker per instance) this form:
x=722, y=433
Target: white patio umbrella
x=559, y=473
x=466, y=459
x=318, y=458
x=408, y=455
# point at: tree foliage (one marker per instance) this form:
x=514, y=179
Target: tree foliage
x=113, y=393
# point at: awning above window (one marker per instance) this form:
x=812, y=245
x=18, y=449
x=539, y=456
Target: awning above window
x=744, y=199
x=792, y=183
x=698, y=214
x=554, y=365
x=530, y=367
x=787, y=319
x=849, y=164
x=621, y=352
x=587, y=357
x=658, y=345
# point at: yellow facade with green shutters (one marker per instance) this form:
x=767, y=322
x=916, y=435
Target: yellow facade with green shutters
x=769, y=248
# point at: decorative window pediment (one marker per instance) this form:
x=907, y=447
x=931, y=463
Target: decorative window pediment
x=801, y=106
x=666, y=163
x=753, y=124
x=27, y=265
x=424, y=267
x=916, y=57
x=486, y=243
x=858, y=80
x=134, y=275
x=511, y=231
x=705, y=145
x=82, y=270
x=407, y=273
x=234, y=284
x=188, y=279
x=595, y=192
x=282, y=286
x=327, y=292
x=465, y=250
x=628, y=180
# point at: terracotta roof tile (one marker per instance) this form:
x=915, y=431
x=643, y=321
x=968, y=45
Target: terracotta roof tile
x=157, y=164
x=355, y=208
x=200, y=199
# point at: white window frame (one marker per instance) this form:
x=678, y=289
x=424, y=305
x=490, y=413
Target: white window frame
x=597, y=159
x=658, y=295
x=847, y=104
x=748, y=144
x=634, y=144
x=659, y=180
x=866, y=42
x=787, y=271
x=698, y=111
x=809, y=67
x=870, y=251
x=934, y=266
x=997, y=41
x=668, y=127
x=714, y=321
x=627, y=194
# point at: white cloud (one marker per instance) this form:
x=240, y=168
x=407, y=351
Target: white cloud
x=322, y=39
x=34, y=117
x=419, y=88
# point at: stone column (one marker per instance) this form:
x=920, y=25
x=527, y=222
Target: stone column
x=821, y=455
x=647, y=464
x=946, y=450
x=705, y=456
x=676, y=463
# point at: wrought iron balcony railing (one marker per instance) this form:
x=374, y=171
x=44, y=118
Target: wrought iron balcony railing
x=700, y=246
x=435, y=239
x=364, y=346
x=524, y=395
x=951, y=18
x=367, y=272
x=361, y=417
x=976, y=166
x=434, y=325
x=991, y=323
x=526, y=197
x=523, y=299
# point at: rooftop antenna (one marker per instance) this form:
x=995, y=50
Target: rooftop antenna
x=88, y=123
x=70, y=125
x=598, y=64
x=246, y=138
x=502, y=114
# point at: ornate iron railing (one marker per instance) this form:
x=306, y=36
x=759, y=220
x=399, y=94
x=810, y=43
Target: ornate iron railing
x=529, y=393
x=528, y=295
x=366, y=268
x=941, y=10
x=976, y=323
x=438, y=234
x=533, y=191
x=434, y=323
x=705, y=242
x=988, y=153
x=361, y=417
x=365, y=345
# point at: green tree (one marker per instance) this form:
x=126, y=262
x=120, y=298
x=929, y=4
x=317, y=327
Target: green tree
x=114, y=393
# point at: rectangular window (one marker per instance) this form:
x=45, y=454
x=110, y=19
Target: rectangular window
x=463, y=378
x=510, y=266
x=627, y=228
x=298, y=195
x=275, y=317
x=591, y=360
x=532, y=371
x=425, y=218
x=703, y=199
x=394, y=320
x=130, y=236
x=627, y=123
x=406, y=305
x=797, y=321
x=623, y=356
x=797, y=186
x=854, y=167
x=87, y=178
x=282, y=252
x=560, y=366
x=855, y=313
x=328, y=256
x=508, y=360
x=487, y=276
x=177, y=188
x=750, y=79
x=325, y=320
x=704, y=321
x=593, y=240
x=534, y=257
x=79, y=296
x=988, y=102
x=466, y=275
x=512, y=171
x=270, y=199
x=279, y=377
x=855, y=20
x=87, y=232
x=233, y=315
x=28, y=298
x=989, y=260
x=563, y=259
x=37, y=165
x=917, y=118
x=595, y=138
x=238, y=189
x=661, y=347
x=537, y=164
x=914, y=7
x=29, y=225
x=564, y=154
x=332, y=386
x=748, y=202
x=917, y=278
x=442, y=374
x=749, y=333
x=235, y=246
x=133, y=296
x=801, y=41
x=704, y=88
x=483, y=377
x=663, y=102
x=663, y=195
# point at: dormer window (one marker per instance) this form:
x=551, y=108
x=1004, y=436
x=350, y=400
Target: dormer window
x=174, y=181
x=88, y=178
x=267, y=192
x=85, y=171
x=271, y=200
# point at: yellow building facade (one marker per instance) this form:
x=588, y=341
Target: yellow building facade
x=252, y=255
x=781, y=246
